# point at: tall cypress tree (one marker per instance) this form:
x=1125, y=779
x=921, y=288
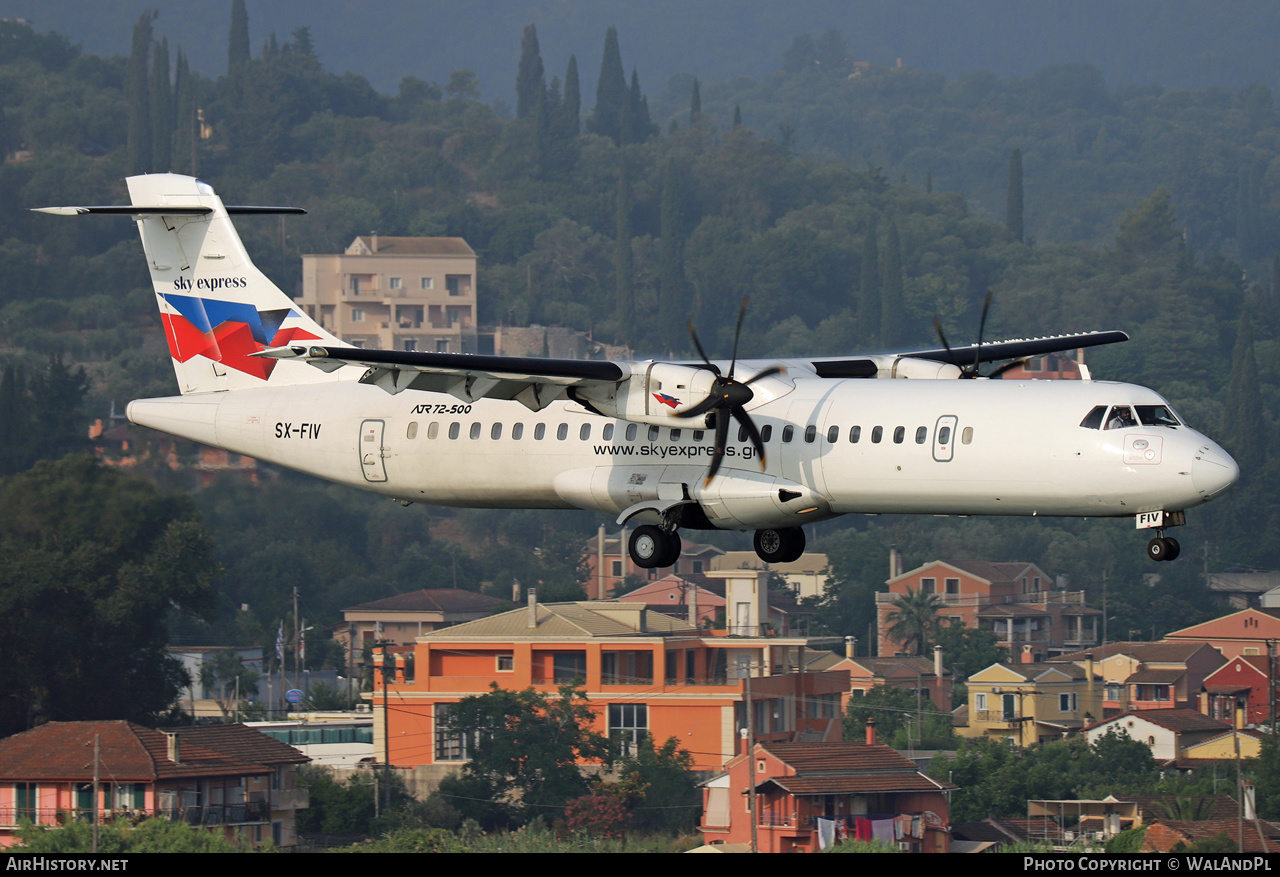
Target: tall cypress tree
x=612, y=95
x=1243, y=424
x=531, y=81
x=161, y=109
x=638, y=111
x=184, y=116
x=893, y=319
x=1013, y=204
x=138, y=93
x=695, y=103
x=622, y=267
x=676, y=220
x=572, y=98
x=238, y=41
x=869, y=285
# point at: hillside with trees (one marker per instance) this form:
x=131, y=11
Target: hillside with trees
x=850, y=208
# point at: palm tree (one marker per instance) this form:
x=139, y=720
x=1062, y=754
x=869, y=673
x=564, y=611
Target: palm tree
x=915, y=619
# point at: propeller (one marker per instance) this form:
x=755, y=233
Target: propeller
x=973, y=371
x=728, y=399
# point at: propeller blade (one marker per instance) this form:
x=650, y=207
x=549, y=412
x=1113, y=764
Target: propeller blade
x=1013, y=363
x=701, y=352
x=767, y=373
x=982, y=326
x=702, y=407
x=752, y=433
x=722, y=439
x=737, y=333
x=937, y=327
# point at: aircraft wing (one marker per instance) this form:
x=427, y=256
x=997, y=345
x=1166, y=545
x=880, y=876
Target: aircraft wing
x=1021, y=348
x=537, y=382
x=534, y=381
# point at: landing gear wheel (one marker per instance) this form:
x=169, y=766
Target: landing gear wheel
x=651, y=548
x=781, y=545
x=1174, y=548
x=672, y=553
x=1158, y=548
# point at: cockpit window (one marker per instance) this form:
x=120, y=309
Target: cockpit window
x=1155, y=415
x=1120, y=418
x=1093, y=420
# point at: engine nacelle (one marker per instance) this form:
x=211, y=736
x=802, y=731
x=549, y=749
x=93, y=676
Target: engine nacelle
x=892, y=366
x=655, y=394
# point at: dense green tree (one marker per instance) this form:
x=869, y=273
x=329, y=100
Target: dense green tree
x=238, y=40
x=1013, y=203
x=903, y=719
x=966, y=650
x=161, y=108
x=527, y=753
x=831, y=52
x=996, y=781
x=114, y=557
x=185, y=135
x=1148, y=228
x=869, y=306
x=695, y=103
x=138, y=94
x=623, y=271
x=676, y=214
x=612, y=95
x=531, y=80
x=893, y=304
x=1244, y=430
x=662, y=789
x=572, y=104
x=800, y=55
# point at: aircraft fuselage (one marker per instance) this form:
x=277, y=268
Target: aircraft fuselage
x=833, y=447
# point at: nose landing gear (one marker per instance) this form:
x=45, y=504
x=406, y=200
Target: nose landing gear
x=1162, y=547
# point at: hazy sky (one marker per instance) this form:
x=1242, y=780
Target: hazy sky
x=1171, y=42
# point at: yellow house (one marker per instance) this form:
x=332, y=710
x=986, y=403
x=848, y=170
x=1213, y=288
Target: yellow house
x=1031, y=703
x=1222, y=748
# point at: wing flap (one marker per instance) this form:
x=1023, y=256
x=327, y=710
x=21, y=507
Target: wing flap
x=534, y=382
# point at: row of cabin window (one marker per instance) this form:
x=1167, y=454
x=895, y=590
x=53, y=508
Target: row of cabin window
x=633, y=430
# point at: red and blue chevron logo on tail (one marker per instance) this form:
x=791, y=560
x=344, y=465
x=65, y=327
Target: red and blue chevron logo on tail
x=226, y=332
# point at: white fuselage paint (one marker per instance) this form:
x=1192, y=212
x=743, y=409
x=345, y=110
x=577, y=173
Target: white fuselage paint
x=1017, y=449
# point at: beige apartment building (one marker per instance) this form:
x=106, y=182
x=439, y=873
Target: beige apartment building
x=395, y=293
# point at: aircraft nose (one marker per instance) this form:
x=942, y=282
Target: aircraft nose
x=1213, y=470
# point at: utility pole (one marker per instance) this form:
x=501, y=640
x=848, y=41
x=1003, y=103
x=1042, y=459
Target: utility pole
x=751, y=766
x=97, y=816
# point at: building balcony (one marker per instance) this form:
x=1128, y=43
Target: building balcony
x=289, y=799
x=224, y=814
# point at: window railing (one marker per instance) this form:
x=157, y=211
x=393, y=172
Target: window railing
x=224, y=814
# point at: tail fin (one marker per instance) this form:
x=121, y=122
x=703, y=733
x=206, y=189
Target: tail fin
x=217, y=308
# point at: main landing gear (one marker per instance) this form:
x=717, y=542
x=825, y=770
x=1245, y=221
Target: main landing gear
x=1163, y=548
x=653, y=547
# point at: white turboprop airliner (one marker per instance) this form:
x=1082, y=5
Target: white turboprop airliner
x=662, y=444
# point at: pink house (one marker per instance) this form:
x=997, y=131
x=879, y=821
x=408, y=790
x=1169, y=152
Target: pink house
x=231, y=778
x=811, y=794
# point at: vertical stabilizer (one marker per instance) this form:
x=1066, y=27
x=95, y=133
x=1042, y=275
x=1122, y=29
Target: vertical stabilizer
x=217, y=308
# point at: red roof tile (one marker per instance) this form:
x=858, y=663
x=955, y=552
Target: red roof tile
x=132, y=753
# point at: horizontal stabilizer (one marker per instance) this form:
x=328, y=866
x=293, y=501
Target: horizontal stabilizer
x=163, y=210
